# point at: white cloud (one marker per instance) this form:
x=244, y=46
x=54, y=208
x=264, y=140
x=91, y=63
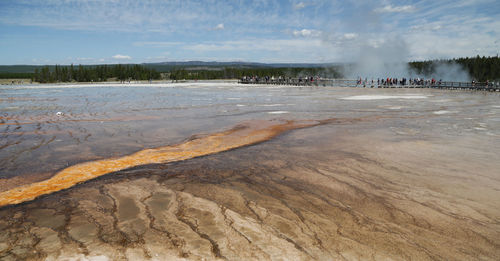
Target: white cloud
x=299, y=6
x=219, y=27
x=395, y=9
x=426, y=27
x=157, y=44
x=306, y=33
x=255, y=45
x=350, y=36
x=433, y=29
x=258, y=50
x=121, y=57
x=458, y=40
x=84, y=59
x=145, y=16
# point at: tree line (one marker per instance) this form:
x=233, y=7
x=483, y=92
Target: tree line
x=238, y=73
x=15, y=75
x=479, y=68
x=96, y=73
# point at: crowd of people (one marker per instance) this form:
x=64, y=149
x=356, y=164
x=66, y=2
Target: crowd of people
x=379, y=82
x=399, y=81
x=311, y=79
x=280, y=79
x=417, y=82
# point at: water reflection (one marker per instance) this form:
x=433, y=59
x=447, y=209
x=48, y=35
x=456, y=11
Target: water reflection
x=115, y=120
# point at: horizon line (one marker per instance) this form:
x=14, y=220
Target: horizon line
x=241, y=62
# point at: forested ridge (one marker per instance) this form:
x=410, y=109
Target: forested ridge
x=479, y=69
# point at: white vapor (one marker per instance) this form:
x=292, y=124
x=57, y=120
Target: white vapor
x=386, y=55
x=446, y=72
x=384, y=59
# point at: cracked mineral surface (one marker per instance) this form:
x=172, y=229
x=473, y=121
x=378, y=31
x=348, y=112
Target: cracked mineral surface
x=347, y=180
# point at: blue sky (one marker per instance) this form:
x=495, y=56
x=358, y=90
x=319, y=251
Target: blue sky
x=129, y=31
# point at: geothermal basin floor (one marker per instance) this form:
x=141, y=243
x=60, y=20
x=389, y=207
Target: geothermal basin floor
x=302, y=173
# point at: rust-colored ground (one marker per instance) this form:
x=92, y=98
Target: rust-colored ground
x=242, y=135
x=347, y=191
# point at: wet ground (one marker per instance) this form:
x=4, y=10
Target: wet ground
x=350, y=174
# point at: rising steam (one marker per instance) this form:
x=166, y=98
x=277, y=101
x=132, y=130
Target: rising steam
x=374, y=53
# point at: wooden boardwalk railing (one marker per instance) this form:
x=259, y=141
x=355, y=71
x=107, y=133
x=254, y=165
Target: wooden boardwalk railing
x=477, y=86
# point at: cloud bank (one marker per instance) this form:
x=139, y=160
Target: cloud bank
x=262, y=31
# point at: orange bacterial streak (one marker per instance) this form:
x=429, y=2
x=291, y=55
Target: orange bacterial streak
x=241, y=135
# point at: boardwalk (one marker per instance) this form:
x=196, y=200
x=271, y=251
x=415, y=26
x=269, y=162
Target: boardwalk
x=479, y=86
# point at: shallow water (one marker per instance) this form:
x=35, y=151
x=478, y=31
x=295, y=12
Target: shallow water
x=385, y=173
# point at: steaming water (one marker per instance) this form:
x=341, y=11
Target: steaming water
x=392, y=159
x=112, y=120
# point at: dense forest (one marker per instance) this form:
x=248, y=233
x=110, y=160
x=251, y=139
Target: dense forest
x=237, y=73
x=15, y=75
x=479, y=69
x=93, y=73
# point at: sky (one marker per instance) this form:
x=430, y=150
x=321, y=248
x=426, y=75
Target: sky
x=274, y=31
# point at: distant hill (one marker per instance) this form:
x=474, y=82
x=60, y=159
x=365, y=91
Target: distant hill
x=19, y=68
x=188, y=65
x=241, y=64
x=200, y=65
x=478, y=68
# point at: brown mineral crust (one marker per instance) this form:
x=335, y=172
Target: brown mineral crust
x=338, y=194
x=242, y=135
